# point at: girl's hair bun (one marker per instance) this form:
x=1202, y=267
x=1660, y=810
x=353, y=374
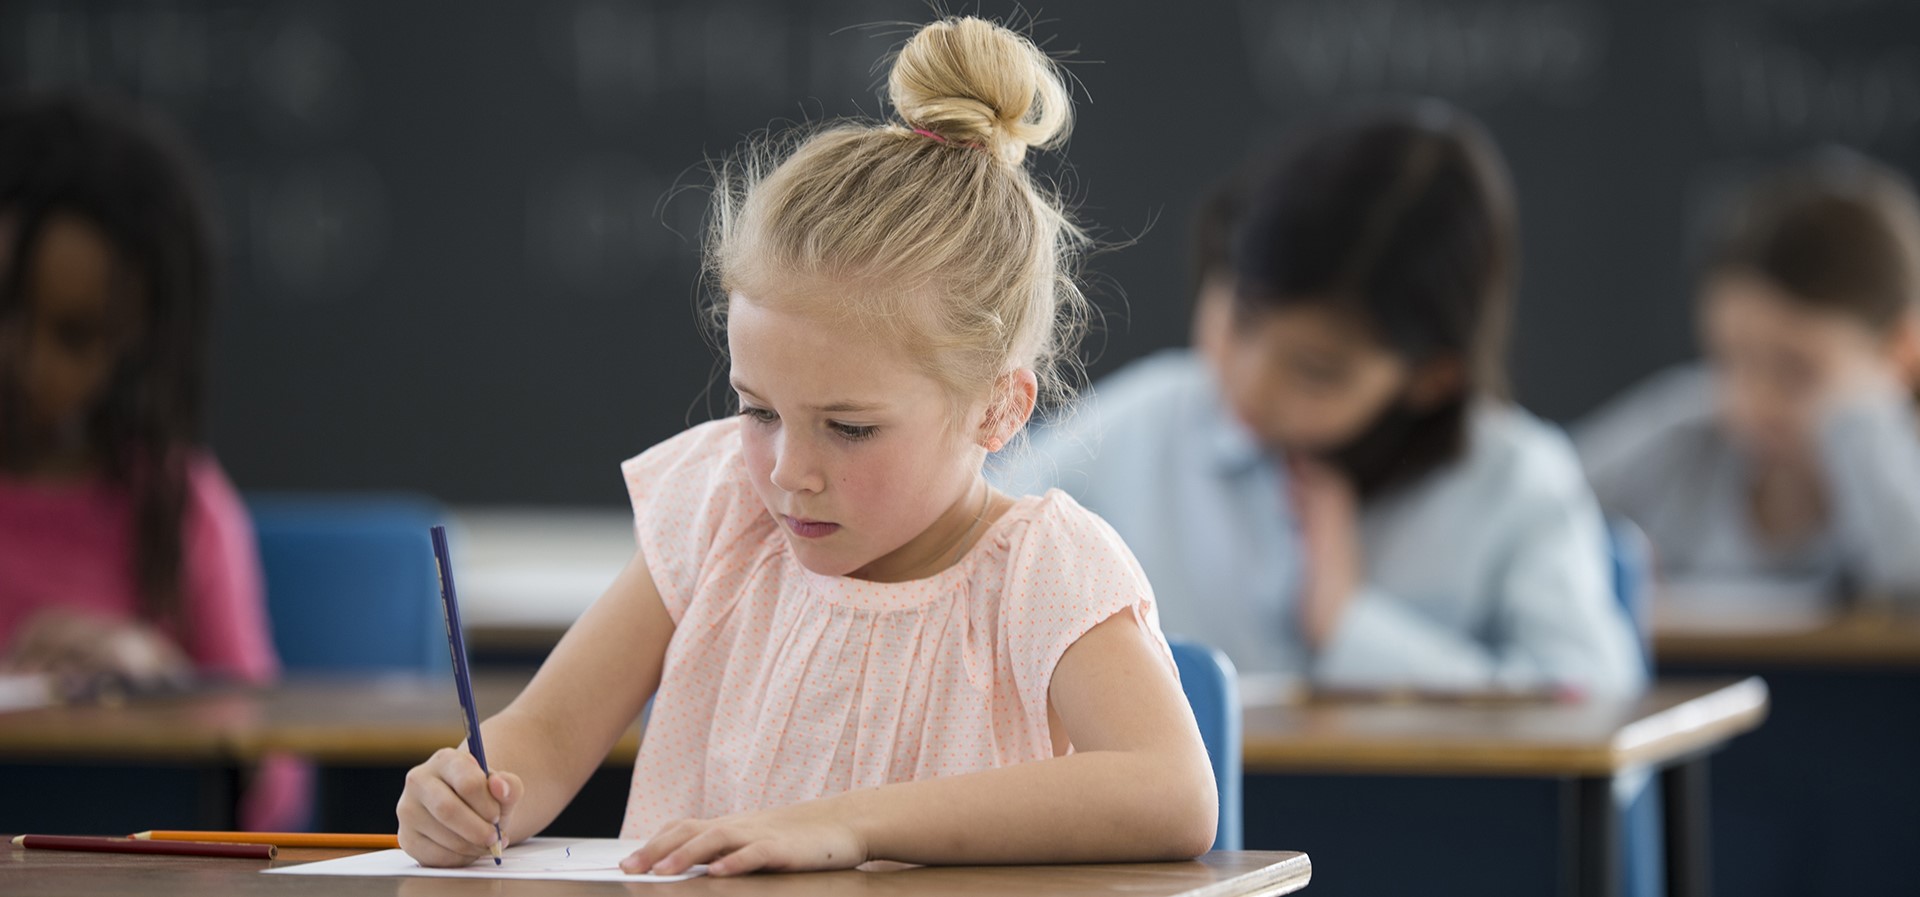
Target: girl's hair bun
x=972, y=82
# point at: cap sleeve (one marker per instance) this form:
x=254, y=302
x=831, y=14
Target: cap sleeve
x=1068, y=571
x=691, y=502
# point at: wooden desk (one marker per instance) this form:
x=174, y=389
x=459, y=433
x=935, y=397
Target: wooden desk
x=1845, y=640
x=1832, y=774
x=1236, y=874
x=1597, y=738
x=347, y=721
x=1671, y=729
x=396, y=721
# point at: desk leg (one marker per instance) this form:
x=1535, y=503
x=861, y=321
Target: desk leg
x=1683, y=792
x=1591, y=846
x=220, y=791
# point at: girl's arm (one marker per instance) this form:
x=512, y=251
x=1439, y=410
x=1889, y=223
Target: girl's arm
x=545, y=744
x=1137, y=787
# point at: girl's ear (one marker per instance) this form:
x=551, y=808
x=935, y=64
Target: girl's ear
x=1014, y=395
x=1436, y=381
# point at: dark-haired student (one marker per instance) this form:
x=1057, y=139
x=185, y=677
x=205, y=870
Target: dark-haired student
x=1333, y=484
x=126, y=556
x=1791, y=455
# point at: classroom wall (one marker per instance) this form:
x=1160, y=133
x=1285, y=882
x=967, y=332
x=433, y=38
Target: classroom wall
x=464, y=235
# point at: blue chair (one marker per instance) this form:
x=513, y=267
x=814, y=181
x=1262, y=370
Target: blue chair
x=1213, y=689
x=1642, y=847
x=1633, y=579
x=351, y=585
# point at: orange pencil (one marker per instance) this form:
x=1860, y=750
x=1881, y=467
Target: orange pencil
x=280, y=839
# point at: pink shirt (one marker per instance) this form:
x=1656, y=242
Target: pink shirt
x=783, y=685
x=72, y=547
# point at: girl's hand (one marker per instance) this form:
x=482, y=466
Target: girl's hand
x=449, y=809
x=800, y=837
x=1330, y=525
x=79, y=647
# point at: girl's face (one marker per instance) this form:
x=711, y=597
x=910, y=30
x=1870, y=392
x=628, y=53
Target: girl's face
x=1780, y=363
x=1304, y=378
x=852, y=448
x=77, y=327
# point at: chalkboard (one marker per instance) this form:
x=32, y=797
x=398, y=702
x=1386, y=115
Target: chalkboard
x=462, y=252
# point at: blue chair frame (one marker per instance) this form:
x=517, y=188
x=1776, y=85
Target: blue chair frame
x=1213, y=690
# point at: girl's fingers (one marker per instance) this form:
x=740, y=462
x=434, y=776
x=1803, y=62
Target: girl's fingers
x=449, y=810
x=751, y=858
x=713, y=842
x=444, y=847
x=463, y=775
x=662, y=843
x=434, y=843
x=425, y=850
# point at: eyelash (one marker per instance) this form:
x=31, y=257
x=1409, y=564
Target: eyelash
x=849, y=432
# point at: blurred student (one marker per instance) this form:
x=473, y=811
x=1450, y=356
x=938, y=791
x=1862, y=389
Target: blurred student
x=1791, y=454
x=124, y=550
x=127, y=560
x=1334, y=484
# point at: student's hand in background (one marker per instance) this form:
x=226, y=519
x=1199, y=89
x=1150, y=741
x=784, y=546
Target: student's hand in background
x=1329, y=515
x=449, y=808
x=798, y=837
x=80, y=649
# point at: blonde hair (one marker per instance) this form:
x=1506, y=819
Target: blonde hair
x=927, y=230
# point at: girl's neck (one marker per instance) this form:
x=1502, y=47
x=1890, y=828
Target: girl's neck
x=53, y=463
x=944, y=543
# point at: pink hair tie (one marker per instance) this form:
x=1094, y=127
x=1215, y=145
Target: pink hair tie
x=932, y=136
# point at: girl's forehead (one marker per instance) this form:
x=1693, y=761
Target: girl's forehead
x=814, y=359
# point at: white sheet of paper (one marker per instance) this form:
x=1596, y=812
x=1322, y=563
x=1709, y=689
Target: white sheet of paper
x=552, y=859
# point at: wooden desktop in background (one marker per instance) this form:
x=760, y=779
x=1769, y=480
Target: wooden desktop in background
x=1855, y=639
x=1235, y=874
x=1502, y=737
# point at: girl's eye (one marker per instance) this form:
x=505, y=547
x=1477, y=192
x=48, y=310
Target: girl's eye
x=758, y=415
x=853, y=433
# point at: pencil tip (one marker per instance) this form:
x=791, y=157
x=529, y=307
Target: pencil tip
x=20, y=841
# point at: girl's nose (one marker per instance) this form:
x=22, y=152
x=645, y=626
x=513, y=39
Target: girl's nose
x=794, y=465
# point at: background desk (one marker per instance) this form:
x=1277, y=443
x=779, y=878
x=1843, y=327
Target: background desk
x=1236, y=874
x=1581, y=749
x=178, y=762
x=1822, y=800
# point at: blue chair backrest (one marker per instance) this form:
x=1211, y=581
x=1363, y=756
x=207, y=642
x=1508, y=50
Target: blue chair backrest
x=1633, y=579
x=351, y=584
x=1213, y=689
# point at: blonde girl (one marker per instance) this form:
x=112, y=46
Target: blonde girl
x=856, y=649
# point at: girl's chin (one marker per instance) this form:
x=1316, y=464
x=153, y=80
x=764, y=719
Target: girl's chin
x=816, y=559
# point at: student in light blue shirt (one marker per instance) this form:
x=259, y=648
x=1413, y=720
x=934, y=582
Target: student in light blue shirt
x=1332, y=484
x=1792, y=456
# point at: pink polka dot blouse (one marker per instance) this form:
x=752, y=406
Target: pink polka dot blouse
x=782, y=685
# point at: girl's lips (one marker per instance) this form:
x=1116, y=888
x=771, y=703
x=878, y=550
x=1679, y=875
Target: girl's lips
x=809, y=529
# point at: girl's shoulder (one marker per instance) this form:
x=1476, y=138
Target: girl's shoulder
x=1053, y=538
x=713, y=446
x=693, y=507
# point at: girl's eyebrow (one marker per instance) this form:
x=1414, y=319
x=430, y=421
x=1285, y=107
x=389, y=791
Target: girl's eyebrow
x=841, y=407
